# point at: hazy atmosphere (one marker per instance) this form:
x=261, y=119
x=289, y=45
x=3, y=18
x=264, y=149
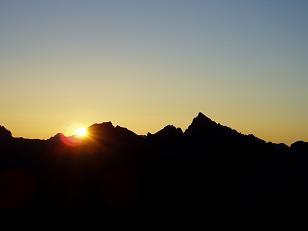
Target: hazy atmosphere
x=146, y=64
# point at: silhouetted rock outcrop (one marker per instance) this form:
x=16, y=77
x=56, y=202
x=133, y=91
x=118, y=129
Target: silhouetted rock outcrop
x=299, y=147
x=167, y=133
x=106, y=132
x=5, y=134
x=203, y=127
x=204, y=130
x=57, y=138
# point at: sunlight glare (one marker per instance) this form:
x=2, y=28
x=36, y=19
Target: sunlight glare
x=81, y=132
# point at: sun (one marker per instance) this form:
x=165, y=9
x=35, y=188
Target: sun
x=81, y=132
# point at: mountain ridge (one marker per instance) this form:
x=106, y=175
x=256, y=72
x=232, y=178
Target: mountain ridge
x=200, y=124
x=207, y=166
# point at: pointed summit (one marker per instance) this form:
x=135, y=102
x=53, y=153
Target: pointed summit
x=200, y=114
x=206, y=130
x=201, y=124
x=202, y=117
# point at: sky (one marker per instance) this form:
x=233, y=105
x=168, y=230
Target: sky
x=146, y=64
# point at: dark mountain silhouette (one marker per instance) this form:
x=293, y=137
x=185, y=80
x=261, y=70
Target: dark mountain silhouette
x=5, y=134
x=209, y=166
x=206, y=130
x=106, y=132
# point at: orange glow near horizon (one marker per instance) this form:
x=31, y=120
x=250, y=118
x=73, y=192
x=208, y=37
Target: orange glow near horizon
x=70, y=64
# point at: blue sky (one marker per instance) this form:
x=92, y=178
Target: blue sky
x=145, y=64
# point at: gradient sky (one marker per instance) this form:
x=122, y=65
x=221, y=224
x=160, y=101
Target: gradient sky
x=146, y=64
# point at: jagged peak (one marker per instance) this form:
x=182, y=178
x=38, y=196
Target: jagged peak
x=200, y=122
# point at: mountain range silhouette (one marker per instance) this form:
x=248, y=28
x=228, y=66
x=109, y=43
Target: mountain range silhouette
x=207, y=166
